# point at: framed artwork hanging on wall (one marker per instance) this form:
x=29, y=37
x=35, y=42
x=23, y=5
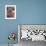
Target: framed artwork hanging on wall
x=10, y=11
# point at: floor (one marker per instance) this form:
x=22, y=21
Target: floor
x=7, y=45
x=28, y=43
x=32, y=43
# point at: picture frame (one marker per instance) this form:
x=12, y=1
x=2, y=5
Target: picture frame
x=10, y=11
x=36, y=32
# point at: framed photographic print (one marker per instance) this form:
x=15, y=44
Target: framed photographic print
x=10, y=11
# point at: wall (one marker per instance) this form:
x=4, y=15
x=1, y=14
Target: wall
x=27, y=12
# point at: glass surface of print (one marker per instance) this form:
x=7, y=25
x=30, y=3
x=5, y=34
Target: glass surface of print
x=10, y=11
